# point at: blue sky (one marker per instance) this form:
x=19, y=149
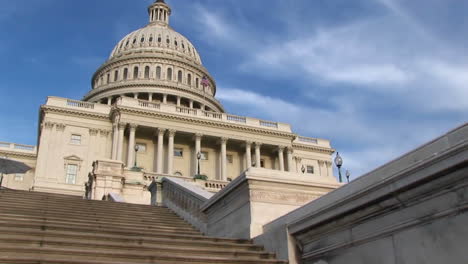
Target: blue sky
x=376, y=77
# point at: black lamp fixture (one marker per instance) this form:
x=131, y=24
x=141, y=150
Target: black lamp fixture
x=199, y=155
x=339, y=163
x=137, y=148
x=303, y=169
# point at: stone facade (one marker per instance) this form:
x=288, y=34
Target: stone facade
x=153, y=92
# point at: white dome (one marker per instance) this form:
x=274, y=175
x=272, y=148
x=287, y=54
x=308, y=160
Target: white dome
x=153, y=38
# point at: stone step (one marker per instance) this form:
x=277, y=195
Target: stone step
x=113, y=247
x=13, y=252
x=100, y=226
x=93, y=223
x=152, y=210
x=115, y=231
x=130, y=240
x=121, y=215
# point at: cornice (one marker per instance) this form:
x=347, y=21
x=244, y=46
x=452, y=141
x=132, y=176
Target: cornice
x=74, y=112
x=15, y=154
x=314, y=148
x=200, y=121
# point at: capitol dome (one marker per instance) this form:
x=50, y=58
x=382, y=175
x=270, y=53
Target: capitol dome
x=155, y=63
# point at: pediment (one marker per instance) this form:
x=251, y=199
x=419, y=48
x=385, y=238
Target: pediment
x=73, y=158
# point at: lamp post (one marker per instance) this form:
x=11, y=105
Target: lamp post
x=136, y=152
x=339, y=163
x=348, y=174
x=198, y=158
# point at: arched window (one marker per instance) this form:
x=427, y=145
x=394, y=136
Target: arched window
x=147, y=72
x=189, y=79
x=135, y=72
x=125, y=74
x=196, y=82
x=158, y=73
x=179, y=76
x=169, y=74
x=108, y=78
x=116, y=76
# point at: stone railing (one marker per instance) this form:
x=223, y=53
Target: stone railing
x=223, y=117
x=212, y=185
x=18, y=147
x=78, y=105
x=312, y=141
x=186, y=199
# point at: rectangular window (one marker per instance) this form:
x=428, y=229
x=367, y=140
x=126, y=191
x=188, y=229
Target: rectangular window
x=178, y=152
x=310, y=169
x=204, y=155
x=19, y=177
x=72, y=172
x=229, y=158
x=141, y=147
x=75, y=139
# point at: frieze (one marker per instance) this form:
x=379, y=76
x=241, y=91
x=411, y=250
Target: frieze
x=282, y=197
x=93, y=132
x=60, y=127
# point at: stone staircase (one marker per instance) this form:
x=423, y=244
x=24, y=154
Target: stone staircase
x=43, y=228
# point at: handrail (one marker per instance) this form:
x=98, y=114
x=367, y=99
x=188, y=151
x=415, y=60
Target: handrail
x=185, y=200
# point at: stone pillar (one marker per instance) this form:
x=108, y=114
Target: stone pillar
x=202, y=107
x=178, y=100
x=115, y=140
x=121, y=141
x=109, y=100
x=150, y=97
x=223, y=159
x=290, y=159
x=257, y=154
x=170, y=152
x=131, y=146
x=135, y=95
x=198, y=138
x=298, y=164
x=159, y=154
x=248, y=154
x=164, y=98
x=191, y=104
x=281, y=158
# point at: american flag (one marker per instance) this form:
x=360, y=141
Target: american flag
x=205, y=82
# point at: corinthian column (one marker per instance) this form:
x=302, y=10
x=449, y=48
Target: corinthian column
x=290, y=159
x=159, y=154
x=257, y=155
x=121, y=141
x=170, y=152
x=115, y=140
x=223, y=159
x=131, y=146
x=248, y=154
x=281, y=158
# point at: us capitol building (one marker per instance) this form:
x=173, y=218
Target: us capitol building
x=152, y=113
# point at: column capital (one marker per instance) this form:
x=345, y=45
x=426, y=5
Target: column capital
x=258, y=144
x=290, y=150
x=248, y=143
x=122, y=125
x=281, y=148
x=197, y=136
x=171, y=132
x=223, y=140
x=298, y=159
x=133, y=126
x=160, y=132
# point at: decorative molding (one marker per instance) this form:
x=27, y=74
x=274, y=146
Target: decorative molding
x=60, y=127
x=93, y=132
x=171, y=132
x=104, y=132
x=122, y=125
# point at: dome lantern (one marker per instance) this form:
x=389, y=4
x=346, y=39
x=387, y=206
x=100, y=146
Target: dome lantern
x=159, y=13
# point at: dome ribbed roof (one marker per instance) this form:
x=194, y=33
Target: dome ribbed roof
x=156, y=37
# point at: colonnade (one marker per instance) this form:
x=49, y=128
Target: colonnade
x=118, y=144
